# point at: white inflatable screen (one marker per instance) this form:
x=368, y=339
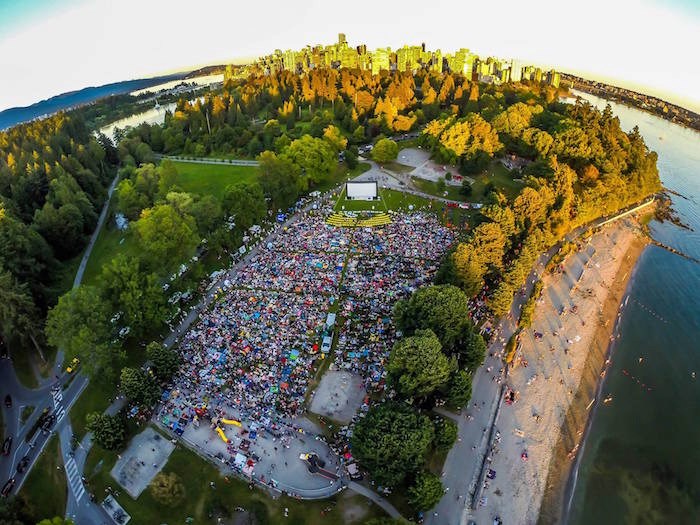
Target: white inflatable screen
x=361, y=190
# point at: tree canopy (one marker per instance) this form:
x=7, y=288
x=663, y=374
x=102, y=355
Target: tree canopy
x=392, y=441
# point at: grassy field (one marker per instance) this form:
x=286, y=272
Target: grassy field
x=430, y=187
x=110, y=243
x=46, y=487
x=211, y=179
x=500, y=177
x=205, y=504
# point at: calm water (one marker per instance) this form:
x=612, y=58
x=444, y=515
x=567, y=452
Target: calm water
x=641, y=463
x=14, y=116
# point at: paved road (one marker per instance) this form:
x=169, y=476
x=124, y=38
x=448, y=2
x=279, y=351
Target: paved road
x=206, y=160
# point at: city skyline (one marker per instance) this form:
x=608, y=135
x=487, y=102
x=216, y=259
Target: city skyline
x=93, y=43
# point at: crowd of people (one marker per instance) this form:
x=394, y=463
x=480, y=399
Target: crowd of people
x=252, y=354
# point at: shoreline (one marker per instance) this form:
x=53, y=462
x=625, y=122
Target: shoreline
x=562, y=473
x=555, y=376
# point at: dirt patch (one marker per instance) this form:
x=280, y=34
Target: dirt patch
x=338, y=396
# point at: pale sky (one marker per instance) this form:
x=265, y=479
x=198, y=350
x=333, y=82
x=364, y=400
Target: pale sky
x=50, y=47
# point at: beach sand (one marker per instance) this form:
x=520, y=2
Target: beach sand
x=556, y=377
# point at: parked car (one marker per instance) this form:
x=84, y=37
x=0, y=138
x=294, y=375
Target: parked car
x=8, y=401
x=73, y=365
x=48, y=423
x=23, y=464
x=7, y=487
x=451, y=204
x=6, y=446
x=464, y=205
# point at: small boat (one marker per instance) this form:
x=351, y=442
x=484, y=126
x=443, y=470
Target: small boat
x=607, y=399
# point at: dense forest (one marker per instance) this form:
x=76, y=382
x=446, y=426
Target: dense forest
x=53, y=175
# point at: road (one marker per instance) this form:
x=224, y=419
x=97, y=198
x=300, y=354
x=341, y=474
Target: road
x=205, y=160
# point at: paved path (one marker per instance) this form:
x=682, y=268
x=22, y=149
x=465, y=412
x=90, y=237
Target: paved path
x=376, y=498
x=207, y=160
x=100, y=222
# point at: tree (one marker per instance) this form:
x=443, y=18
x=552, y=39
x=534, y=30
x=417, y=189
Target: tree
x=385, y=150
x=80, y=324
x=279, y=178
x=109, y=431
x=167, y=489
x=135, y=293
x=459, y=390
x=445, y=433
x=18, y=314
x=392, y=442
x=417, y=365
x=426, y=491
x=314, y=157
x=501, y=299
x=246, y=203
x=62, y=228
x=335, y=138
x=441, y=308
x=164, y=361
x=16, y=510
x=472, y=351
x=138, y=387
x=166, y=237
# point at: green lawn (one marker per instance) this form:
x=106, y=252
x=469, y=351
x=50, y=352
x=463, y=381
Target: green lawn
x=46, y=487
x=205, y=504
x=499, y=175
x=397, y=167
x=211, y=179
x=110, y=243
x=430, y=187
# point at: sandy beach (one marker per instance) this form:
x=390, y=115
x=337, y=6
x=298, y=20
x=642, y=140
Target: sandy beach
x=555, y=375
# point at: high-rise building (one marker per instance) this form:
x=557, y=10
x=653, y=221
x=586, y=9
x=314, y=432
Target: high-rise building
x=516, y=71
x=406, y=58
x=380, y=60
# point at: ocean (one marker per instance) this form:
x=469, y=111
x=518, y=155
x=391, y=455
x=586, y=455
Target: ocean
x=13, y=116
x=641, y=460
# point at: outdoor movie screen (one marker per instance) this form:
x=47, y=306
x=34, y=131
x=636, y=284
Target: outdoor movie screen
x=366, y=191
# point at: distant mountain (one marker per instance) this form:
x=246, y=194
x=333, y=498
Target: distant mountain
x=13, y=116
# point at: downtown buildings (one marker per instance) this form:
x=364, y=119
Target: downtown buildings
x=406, y=58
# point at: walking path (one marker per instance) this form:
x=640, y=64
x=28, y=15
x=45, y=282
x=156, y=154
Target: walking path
x=207, y=160
x=376, y=498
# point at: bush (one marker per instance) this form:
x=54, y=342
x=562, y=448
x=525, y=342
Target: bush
x=167, y=489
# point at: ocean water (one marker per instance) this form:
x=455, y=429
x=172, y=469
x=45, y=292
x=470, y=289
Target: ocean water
x=641, y=462
x=13, y=116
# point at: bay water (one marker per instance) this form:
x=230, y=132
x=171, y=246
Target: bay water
x=641, y=460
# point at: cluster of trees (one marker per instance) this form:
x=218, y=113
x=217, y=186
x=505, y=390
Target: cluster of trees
x=434, y=361
x=53, y=175
x=579, y=165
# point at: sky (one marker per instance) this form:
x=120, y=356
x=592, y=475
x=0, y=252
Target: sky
x=48, y=47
